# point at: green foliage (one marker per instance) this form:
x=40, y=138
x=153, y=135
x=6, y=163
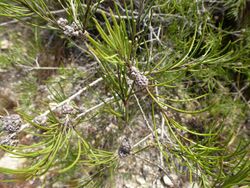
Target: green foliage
x=166, y=64
x=235, y=8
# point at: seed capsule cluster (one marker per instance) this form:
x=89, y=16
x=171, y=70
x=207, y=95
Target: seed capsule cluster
x=64, y=110
x=125, y=148
x=11, y=123
x=138, y=77
x=71, y=30
x=10, y=140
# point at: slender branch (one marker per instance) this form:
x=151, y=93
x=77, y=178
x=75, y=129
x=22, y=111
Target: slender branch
x=66, y=101
x=143, y=114
x=94, y=107
x=143, y=140
x=1, y=70
x=12, y=22
x=239, y=92
x=30, y=68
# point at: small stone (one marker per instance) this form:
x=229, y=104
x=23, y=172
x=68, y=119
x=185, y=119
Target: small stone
x=8, y=100
x=192, y=185
x=11, y=161
x=111, y=128
x=140, y=180
x=167, y=181
x=174, y=177
x=5, y=44
x=146, y=170
x=130, y=185
x=58, y=184
x=158, y=184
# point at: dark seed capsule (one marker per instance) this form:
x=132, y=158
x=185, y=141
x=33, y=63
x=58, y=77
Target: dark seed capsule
x=125, y=148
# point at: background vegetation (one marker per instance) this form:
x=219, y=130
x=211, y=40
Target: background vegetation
x=119, y=93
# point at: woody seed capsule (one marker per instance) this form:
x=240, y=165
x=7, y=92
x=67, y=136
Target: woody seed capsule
x=11, y=123
x=138, y=77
